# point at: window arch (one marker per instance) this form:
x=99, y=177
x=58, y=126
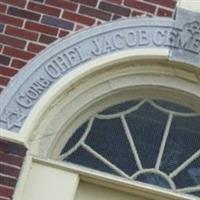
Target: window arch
x=153, y=141
x=147, y=81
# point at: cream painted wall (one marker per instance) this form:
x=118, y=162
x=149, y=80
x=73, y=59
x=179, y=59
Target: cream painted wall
x=48, y=183
x=193, y=5
x=88, y=191
x=54, y=180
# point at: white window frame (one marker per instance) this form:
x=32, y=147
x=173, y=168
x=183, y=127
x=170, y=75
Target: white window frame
x=103, y=86
x=47, y=179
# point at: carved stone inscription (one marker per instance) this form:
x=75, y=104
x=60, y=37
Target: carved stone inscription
x=189, y=49
x=106, y=42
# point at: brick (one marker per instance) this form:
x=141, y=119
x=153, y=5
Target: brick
x=46, y=39
x=140, y=5
x=5, y=19
x=115, y=1
x=44, y=9
x=12, y=148
x=4, y=39
x=63, y=4
x=89, y=3
x=57, y=22
x=164, y=12
x=63, y=33
x=1, y=28
x=8, y=181
x=6, y=192
x=23, y=13
x=115, y=17
x=4, y=80
x=7, y=71
x=19, y=3
x=41, y=1
x=99, y=22
x=5, y=198
x=2, y=7
x=5, y=60
x=36, y=48
x=41, y=28
x=25, y=34
x=17, y=63
x=11, y=159
x=1, y=89
x=114, y=9
x=166, y=3
x=17, y=53
x=79, y=27
x=95, y=13
x=78, y=18
x=136, y=13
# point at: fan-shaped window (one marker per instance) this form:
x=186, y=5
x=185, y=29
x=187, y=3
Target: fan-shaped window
x=151, y=141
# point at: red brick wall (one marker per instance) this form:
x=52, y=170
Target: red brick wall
x=29, y=26
x=11, y=159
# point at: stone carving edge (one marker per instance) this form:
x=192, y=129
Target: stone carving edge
x=61, y=57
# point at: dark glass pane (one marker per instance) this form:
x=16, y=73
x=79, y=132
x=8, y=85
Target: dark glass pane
x=75, y=138
x=108, y=138
x=173, y=107
x=190, y=176
x=154, y=179
x=183, y=142
x=86, y=159
x=120, y=107
x=147, y=126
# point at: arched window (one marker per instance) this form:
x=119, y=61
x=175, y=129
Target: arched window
x=122, y=114
x=133, y=124
x=136, y=122
x=154, y=141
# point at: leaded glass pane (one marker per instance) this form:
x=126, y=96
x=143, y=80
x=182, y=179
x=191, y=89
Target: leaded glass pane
x=75, y=138
x=105, y=137
x=85, y=158
x=183, y=141
x=147, y=127
x=154, y=179
x=190, y=176
x=152, y=141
